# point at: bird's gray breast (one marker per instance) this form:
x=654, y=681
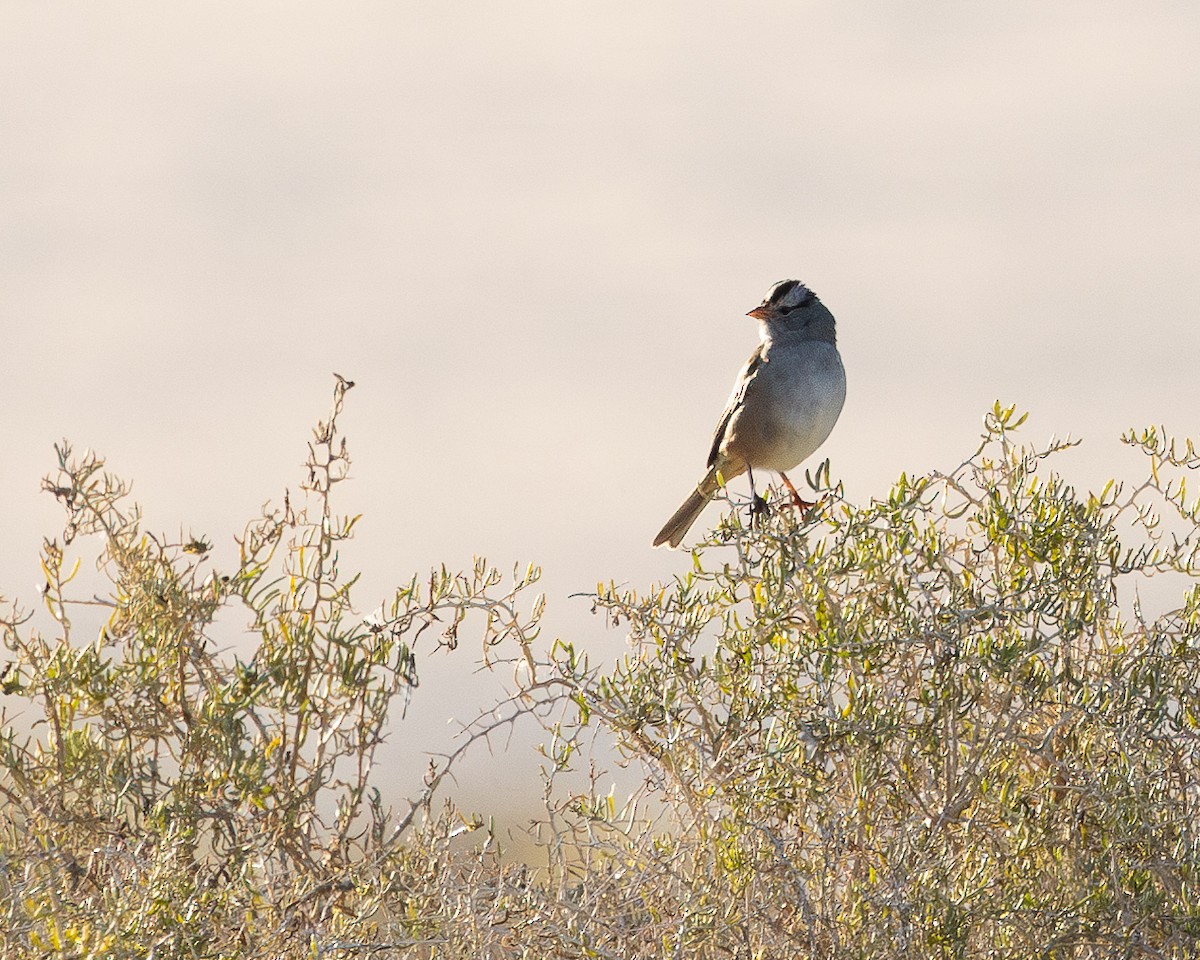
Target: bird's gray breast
x=792, y=404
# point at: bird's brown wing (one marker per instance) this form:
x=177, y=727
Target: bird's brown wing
x=749, y=372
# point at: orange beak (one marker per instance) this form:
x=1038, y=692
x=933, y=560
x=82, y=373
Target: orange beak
x=759, y=313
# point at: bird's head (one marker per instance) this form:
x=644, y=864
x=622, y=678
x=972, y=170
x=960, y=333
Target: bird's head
x=782, y=300
x=791, y=306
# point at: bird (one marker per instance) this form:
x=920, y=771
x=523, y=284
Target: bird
x=784, y=404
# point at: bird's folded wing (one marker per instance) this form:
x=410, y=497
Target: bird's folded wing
x=736, y=399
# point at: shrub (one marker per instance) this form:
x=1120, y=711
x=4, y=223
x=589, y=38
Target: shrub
x=176, y=799
x=937, y=725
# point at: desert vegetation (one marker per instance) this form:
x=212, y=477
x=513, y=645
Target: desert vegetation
x=939, y=724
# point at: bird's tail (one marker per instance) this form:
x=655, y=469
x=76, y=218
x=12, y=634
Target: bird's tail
x=682, y=519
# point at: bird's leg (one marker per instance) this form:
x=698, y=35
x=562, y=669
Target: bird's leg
x=757, y=504
x=799, y=502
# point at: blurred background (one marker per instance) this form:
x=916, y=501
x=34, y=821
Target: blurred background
x=530, y=231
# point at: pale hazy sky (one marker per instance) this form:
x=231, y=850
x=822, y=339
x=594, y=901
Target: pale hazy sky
x=530, y=231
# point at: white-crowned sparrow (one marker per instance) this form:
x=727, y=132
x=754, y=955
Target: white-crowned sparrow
x=784, y=404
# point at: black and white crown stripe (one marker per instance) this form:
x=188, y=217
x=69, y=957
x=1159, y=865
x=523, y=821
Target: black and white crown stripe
x=787, y=295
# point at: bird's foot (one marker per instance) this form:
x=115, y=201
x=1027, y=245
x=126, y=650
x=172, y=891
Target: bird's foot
x=797, y=501
x=759, y=508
